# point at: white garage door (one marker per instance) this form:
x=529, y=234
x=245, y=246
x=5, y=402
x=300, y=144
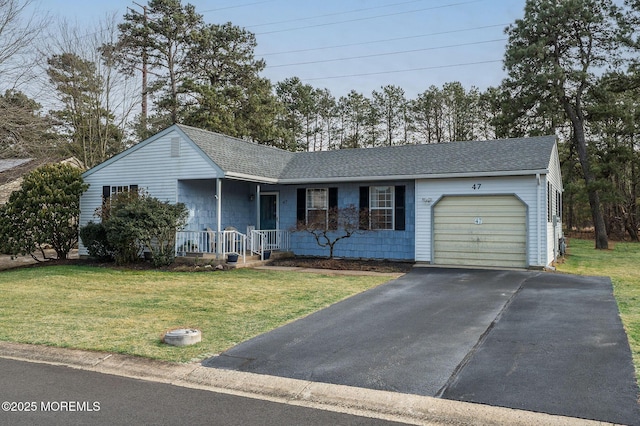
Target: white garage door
x=480, y=231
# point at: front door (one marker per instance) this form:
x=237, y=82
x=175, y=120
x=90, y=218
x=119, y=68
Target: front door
x=269, y=210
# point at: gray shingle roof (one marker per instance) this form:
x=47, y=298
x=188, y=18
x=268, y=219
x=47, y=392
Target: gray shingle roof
x=495, y=156
x=237, y=156
x=240, y=156
x=10, y=163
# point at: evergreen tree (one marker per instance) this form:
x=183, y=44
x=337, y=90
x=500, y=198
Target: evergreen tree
x=552, y=57
x=88, y=125
x=158, y=38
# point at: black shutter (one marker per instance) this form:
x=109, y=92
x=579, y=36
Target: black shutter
x=333, y=198
x=333, y=208
x=301, y=207
x=400, y=209
x=364, y=207
x=133, y=188
x=106, y=193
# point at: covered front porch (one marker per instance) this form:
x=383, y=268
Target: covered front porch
x=230, y=217
x=219, y=245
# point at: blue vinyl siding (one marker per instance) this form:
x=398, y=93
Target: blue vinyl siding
x=386, y=244
x=238, y=210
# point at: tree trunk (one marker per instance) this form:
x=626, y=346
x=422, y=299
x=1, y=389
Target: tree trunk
x=602, y=241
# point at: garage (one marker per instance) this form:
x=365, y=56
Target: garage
x=480, y=231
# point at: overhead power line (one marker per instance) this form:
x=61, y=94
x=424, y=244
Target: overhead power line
x=370, y=17
x=364, y=9
x=235, y=6
x=401, y=71
x=400, y=52
x=362, y=43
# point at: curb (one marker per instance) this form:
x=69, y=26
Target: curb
x=411, y=409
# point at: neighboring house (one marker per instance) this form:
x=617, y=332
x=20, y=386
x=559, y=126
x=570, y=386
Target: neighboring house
x=479, y=203
x=12, y=171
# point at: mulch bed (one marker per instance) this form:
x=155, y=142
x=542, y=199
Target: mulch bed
x=345, y=264
x=304, y=262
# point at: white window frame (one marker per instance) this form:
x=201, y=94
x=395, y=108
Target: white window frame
x=309, y=198
x=373, y=201
x=118, y=189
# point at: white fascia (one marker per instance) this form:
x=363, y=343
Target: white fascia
x=413, y=177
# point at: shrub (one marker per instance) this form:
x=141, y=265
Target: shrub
x=44, y=211
x=94, y=238
x=137, y=222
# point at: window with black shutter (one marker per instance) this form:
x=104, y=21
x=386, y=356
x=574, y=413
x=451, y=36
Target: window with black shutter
x=384, y=207
x=314, y=206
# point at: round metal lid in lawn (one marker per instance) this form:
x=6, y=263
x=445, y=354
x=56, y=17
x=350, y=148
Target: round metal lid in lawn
x=182, y=337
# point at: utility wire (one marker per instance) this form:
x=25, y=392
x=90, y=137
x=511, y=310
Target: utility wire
x=332, y=14
x=235, y=6
x=370, y=17
x=400, y=52
x=401, y=71
x=335, y=46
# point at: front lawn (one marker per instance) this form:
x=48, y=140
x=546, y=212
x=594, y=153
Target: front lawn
x=127, y=312
x=622, y=264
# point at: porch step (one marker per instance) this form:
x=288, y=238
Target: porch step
x=254, y=260
x=250, y=261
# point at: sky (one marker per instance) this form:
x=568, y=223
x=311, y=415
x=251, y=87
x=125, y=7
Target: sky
x=359, y=45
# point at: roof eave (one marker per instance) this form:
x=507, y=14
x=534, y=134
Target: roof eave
x=413, y=176
x=250, y=178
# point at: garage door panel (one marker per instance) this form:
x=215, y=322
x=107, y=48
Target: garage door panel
x=481, y=247
x=454, y=229
x=486, y=221
x=503, y=258
x=480, y=231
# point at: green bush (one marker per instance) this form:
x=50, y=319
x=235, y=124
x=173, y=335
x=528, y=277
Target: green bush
x=43, y=212
x=94, y=238
x=135, y=223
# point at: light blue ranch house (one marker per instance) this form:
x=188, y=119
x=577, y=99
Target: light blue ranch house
x=491, y=203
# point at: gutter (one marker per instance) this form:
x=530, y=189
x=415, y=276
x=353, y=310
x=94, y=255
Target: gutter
x=412, y=176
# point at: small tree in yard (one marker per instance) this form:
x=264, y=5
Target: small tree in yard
x=43, y=212
x=340, y=223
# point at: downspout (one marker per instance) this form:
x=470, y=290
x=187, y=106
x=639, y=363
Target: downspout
x=258, y=207
x=539, y=228
x=258, y=244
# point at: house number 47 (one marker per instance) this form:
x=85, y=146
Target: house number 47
x=476, y=186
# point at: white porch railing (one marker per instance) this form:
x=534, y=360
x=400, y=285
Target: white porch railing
x=225, y=242
x=269, y=239
x=211, y=242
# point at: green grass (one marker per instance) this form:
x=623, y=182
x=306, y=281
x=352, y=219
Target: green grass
x=622, y=264
x=128, y=311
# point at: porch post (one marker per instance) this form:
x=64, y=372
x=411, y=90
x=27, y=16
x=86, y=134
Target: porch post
x=258, y=206
x=218, y=214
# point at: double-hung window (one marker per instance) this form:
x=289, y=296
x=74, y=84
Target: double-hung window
x=317, y=207
x=381, y=207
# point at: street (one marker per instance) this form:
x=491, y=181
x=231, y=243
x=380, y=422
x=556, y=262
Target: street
x=42, y=394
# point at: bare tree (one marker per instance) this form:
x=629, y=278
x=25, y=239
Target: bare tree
x=20, y=25
x=22, y=127
x=338, y=224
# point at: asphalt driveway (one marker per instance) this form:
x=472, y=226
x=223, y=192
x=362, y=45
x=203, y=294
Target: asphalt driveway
x=531, y=340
